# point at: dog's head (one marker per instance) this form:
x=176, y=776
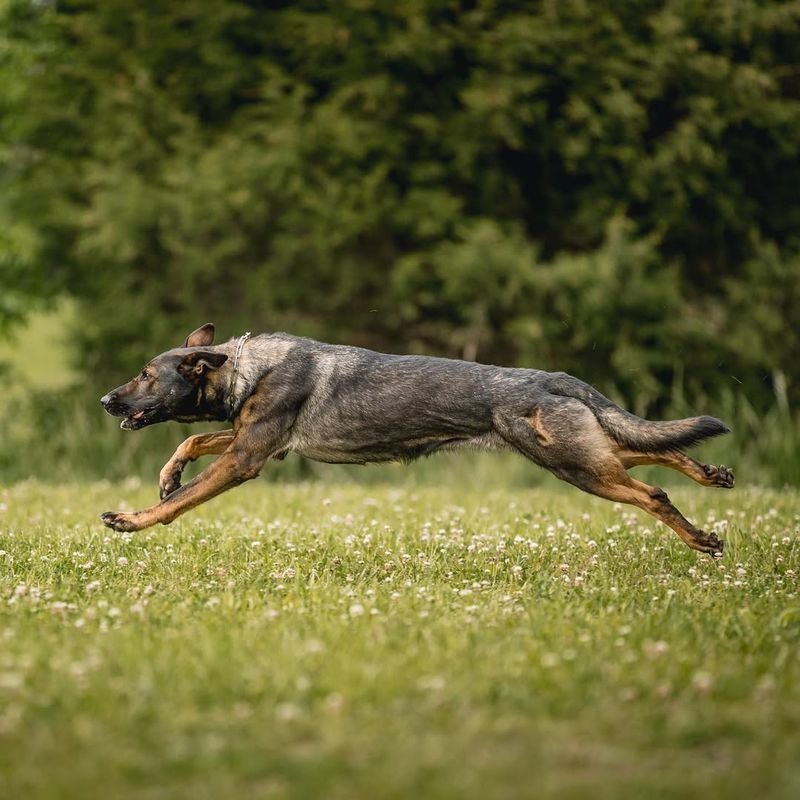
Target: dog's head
x=172, y=386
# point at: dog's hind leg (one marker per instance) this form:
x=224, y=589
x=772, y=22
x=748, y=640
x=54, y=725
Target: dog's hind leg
x=705, y=474
x=566, y=439
x=201, y=444
x=614, y=483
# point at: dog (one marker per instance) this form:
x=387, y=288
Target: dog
x=349, y=405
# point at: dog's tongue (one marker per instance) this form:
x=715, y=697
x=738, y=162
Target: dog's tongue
x=129, y=422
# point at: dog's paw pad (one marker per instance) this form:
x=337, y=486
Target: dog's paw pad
x=118, y=521
x=109, y=519
x=708, y=543
x=720, y=476
x=168, y=487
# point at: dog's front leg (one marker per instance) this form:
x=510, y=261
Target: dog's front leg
x=201, y=444
x=236, y=465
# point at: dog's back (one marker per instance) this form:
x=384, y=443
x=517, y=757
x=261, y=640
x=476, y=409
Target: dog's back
x=369, y=406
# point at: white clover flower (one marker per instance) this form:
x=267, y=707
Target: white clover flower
x=432, y=683
x=11, y=680
x=356, y=610
x=314, y=646
x=286, y=712
x=333, y=703
x=703, y=682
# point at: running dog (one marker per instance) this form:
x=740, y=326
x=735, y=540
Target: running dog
x=347, y=405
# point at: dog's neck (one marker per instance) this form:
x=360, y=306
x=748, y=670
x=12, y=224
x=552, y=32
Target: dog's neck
x=249, y=360
x=240, y=343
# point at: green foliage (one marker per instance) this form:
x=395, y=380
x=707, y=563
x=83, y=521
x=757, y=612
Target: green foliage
x=605, y=188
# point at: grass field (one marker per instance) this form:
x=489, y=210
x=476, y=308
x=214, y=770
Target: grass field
x=323, y=641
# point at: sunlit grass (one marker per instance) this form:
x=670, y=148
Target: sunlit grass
x=378, y=642
x=39, y=353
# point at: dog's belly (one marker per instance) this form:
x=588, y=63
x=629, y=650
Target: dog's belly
x=375, y=452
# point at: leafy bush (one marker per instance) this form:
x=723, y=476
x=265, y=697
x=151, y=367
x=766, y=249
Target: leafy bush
x=605, y=188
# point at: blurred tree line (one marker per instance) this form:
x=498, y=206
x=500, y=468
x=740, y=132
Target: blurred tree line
x=609, y=187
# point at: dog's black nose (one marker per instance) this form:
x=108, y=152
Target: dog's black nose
x=106, y=399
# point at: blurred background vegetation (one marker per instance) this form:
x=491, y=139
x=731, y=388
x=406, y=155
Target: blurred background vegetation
x=607, y=188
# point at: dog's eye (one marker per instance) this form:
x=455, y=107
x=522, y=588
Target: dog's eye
x=144, y=375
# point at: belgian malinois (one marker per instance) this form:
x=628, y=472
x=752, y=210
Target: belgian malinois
x=348, y=405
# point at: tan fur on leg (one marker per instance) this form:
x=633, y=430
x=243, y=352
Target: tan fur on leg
x=201, y=444
x=704, y=474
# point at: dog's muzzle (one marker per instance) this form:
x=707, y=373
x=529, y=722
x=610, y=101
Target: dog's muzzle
x=133, y=419
x=112, y=404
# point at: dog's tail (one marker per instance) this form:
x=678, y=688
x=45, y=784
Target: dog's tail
x=645, y=436
x=634, y=432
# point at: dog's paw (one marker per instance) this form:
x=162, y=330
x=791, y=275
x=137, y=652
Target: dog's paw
x=169, y=479
x=708, y=543
x=168, y=485
x=720, y=476
x=121, y=521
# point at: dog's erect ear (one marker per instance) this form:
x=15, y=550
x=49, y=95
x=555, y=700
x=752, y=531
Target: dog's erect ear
x=202, y=337
x=196, y=364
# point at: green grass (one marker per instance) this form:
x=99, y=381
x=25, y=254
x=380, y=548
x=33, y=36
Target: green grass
x=319, y=641
x=38, y=354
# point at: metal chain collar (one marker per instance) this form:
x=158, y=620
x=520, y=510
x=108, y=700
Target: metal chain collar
x=236, y=358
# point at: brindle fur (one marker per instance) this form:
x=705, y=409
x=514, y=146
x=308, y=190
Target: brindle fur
x=348, y=405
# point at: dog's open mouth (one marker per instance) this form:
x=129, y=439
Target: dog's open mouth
x=136, y=421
